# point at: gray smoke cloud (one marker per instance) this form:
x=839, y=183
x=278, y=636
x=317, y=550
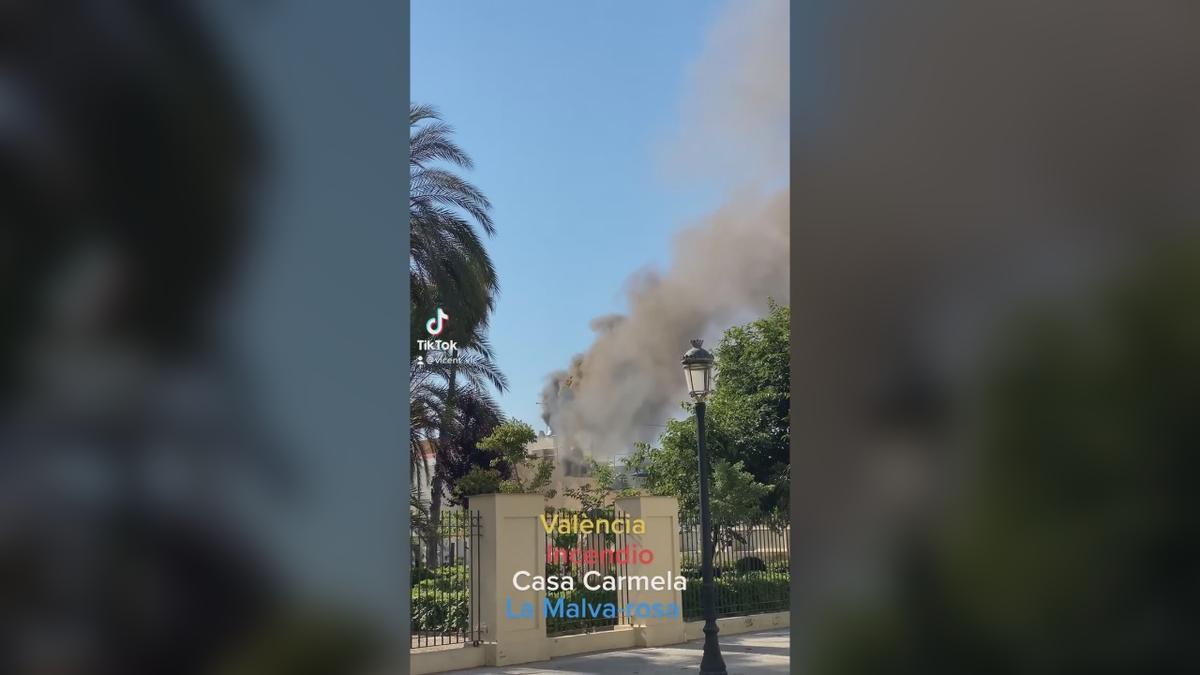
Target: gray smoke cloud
x=733, y=132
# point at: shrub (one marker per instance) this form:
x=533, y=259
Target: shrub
x=750, y=564
x=448, y=577
x=421, y=573
x=559, y=624
x=751, y=593
x=441, y=613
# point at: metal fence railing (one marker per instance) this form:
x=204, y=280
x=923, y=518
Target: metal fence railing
x=559, y=563
x=445, y=580
x=750, y=567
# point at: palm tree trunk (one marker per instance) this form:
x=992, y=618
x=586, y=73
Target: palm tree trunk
x=432, y=549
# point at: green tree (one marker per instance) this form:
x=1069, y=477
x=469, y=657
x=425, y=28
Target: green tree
x=750, y=407
x=508, y=459
x=736, y=496
x=747, y=424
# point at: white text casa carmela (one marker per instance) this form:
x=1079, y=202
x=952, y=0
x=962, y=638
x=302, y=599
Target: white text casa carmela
x=594, y=580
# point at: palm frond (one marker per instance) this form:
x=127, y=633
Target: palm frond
x=451, y=404
x=418, y=112
x=432, y=142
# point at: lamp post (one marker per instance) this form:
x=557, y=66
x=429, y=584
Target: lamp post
x=697, y=367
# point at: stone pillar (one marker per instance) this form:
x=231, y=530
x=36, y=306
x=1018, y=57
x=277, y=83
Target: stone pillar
x=661, y=515
x=512, y=540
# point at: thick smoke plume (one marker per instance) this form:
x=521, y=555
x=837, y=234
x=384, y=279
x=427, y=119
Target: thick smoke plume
x=734, y=131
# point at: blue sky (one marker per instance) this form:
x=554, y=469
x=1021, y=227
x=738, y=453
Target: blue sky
x=564, y=106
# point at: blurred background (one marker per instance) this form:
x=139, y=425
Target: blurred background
x=997, y=337
x=996, y=348
x=203, y=346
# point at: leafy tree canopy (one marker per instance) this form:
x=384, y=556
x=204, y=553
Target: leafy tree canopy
x=509, y=459
x=747, y=426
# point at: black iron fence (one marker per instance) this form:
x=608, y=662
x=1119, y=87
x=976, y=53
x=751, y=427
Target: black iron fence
x=750, y=566
x=579, y=609
x=445, y=580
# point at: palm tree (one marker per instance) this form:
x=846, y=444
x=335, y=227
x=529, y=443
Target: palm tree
x=450, y=402
x=435, y=384
x=448, y=264
x=476, y=416
x=448, y=268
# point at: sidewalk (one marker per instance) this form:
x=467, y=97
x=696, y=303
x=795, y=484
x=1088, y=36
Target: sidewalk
x=765, y=652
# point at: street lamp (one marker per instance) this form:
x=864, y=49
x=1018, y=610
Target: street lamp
x=697, y=367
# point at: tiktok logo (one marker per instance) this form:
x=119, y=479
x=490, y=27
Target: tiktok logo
x=435, y=325
x=446, y=348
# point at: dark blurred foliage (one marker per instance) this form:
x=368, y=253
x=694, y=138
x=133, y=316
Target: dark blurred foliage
x=1075, y=550
x=127, y=163
x=995, y=345
x=475, y=419
x=306, y=645
x=122, y=132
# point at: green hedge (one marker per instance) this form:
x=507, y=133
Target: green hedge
x=441, y=603
x=440, y=599
x=750, y=593
x=447, y=574
x=441, y=613
x=560, y=624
